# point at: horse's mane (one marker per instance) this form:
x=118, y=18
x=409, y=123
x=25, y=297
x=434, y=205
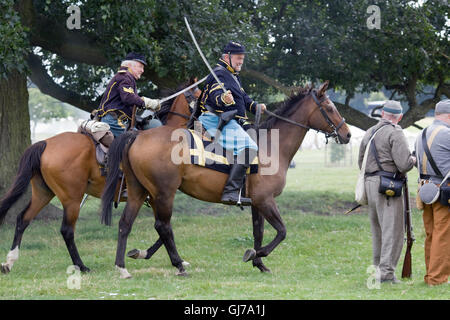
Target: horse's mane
x=286, y=108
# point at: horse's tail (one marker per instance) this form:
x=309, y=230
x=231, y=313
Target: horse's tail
x=117, y=150
x=30, y=164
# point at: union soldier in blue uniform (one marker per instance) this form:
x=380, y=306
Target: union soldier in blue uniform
x=116, y=106
x=215, y=101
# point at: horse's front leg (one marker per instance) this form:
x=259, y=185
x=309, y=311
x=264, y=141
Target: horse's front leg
x=258, y=234
x=270, y=212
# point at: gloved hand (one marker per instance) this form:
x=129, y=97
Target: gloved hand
x=227, y=98
x=263, y=107
x=151, y=104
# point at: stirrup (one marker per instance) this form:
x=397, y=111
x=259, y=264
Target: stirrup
x=237, y=202
x=147, y=202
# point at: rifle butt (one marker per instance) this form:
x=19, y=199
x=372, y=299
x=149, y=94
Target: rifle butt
x=406, y=271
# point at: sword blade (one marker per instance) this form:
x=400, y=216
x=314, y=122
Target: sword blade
x=182, y=91
x=202, y=55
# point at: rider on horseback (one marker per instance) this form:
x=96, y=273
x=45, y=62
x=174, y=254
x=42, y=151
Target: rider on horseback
x=214, y=102
x=120, y=96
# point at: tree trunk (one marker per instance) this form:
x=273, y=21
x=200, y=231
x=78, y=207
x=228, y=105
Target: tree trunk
x=14, y=135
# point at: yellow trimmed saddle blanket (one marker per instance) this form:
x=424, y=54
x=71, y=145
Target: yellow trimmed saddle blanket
x=212, y=155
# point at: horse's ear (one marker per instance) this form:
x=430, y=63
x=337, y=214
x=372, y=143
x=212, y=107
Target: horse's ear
x=323, y=87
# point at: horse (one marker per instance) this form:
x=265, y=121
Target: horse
x=64, y=166
x=154, y=174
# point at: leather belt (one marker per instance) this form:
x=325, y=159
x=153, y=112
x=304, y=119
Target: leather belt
x=384, y=174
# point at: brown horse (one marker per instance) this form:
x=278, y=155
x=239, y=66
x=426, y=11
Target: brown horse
x=150, y=170
x=64, y=166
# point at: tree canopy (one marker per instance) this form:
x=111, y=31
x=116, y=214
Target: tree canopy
x=290, y=43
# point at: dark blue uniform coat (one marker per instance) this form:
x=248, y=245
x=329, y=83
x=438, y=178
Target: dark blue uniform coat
x=120, y=95
x=212, y=92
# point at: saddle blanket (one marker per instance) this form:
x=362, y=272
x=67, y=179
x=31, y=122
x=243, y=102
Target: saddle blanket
x=211, y=155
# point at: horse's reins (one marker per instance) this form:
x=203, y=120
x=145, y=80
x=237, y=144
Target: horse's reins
x=324, y=114
x=179, y=114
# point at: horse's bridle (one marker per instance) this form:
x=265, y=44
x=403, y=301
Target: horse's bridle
x=189, y=98
x=335, y=128
x=325, y=115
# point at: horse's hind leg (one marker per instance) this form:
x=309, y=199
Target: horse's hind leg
x=40, y=197
x=71, y=212
x=125, y=224
x=163, y=214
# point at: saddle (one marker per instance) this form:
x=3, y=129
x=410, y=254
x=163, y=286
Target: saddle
x=102, y=137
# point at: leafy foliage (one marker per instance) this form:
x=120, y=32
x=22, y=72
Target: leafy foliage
x=13, y=44
x=312, y=40
x=154, y=28
x=290, y=41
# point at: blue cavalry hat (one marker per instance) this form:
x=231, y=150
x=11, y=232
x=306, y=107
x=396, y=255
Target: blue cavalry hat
x=234, y=48
x=136, y=57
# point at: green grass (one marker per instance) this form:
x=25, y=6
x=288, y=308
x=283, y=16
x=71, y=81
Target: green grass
x=325, y=254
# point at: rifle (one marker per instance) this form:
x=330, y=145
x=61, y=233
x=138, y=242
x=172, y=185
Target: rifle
x=353, y=209
x=406, y=271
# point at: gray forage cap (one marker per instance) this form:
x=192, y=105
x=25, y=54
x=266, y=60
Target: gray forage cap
x=443, y=106
x=393, y=107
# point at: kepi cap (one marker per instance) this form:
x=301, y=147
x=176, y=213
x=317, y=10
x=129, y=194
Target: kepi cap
x=234, y=47
x=136, y=57
x=393, y=107
x=443, y=106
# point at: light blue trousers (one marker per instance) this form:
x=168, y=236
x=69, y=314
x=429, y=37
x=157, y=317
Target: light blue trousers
x=233, y=136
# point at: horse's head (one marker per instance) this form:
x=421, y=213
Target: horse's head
x=324, y=115
x=195, y=91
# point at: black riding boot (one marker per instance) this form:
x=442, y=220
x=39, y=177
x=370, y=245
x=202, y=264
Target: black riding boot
x=231, y=192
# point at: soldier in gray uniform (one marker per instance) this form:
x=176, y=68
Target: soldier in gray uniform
x=386, y=213
x=436, y=216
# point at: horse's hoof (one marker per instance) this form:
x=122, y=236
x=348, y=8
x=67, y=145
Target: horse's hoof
x=263, y=269
x=137, y=254
x=182, y=273
x=85, y=269
x=134, y=254
x=124, y=274
x=5, y=268
x=250, y=254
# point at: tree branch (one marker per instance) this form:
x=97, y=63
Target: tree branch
x=45, y=83
x=445, y=89
x=354, y=117
x=418, y=112
x=54, y=36
x=268, y=80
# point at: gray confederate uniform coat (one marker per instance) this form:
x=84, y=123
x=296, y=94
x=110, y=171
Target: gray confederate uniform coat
x=386, y=214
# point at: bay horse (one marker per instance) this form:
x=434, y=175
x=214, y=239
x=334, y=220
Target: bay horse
x=64, y=166
x=146, y=160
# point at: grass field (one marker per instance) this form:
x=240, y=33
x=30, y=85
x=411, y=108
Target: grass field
x=325, y=255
